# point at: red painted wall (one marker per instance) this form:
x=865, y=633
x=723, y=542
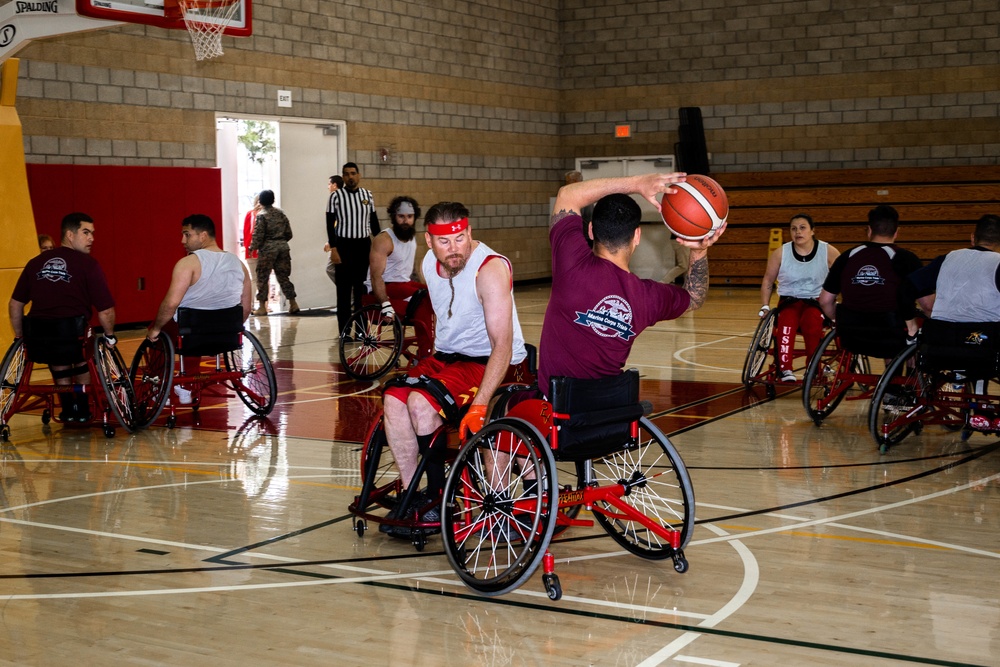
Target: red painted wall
x=137, y=214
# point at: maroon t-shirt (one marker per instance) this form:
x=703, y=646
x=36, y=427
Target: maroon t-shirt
x=63, y=283
x=596, y=309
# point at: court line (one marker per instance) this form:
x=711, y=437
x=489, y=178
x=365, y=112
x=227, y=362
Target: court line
x=751, y=577
x=678, y=353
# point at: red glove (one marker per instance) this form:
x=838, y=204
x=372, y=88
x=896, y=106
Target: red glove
x=473, y=421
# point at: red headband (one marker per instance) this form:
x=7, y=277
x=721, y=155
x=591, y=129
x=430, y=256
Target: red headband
x=445, y=228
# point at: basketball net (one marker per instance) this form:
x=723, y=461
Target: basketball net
x=205, y=21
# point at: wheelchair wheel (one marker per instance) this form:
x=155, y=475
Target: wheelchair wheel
x=378, y=467
x=114, y=378
x=822, y=381
x=152, y=374
x=370, y=346
x=659, y=488
x=11, y=376
x=760, y=348
x=497, y=514
x=256, y=385
x=894, y=409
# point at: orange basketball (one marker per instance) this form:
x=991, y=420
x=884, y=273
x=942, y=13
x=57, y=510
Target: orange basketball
x=698, y=207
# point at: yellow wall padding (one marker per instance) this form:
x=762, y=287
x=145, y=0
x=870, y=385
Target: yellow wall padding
x=20, y=241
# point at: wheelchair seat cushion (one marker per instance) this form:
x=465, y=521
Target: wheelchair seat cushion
x=880, y=335
x=55, y=341
x=600, y=415
x=205, y=333
x=972, y=347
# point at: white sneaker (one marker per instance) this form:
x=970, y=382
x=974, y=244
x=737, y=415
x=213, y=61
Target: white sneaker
x=183, y=395
x=788, y=376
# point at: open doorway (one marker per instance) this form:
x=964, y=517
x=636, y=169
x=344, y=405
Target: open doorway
x=306, y=152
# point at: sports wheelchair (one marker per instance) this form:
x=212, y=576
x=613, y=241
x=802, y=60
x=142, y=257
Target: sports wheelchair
x=372, y=344
x=381, y=487
x=764, y=346
x=941, y=380
x=241, y=364
x=503, y=503
x=843, y=360
x=65, y=342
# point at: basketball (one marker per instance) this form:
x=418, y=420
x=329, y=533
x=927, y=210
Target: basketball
x=698, y=207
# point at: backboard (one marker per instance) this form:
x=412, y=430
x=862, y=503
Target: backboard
x=162, y=13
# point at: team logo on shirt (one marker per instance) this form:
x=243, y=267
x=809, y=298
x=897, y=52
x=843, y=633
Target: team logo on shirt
x=976, y=338
x=612, y=316
x=867, y=276
x=55, y=270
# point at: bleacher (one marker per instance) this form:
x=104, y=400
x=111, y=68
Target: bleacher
x=937, y=208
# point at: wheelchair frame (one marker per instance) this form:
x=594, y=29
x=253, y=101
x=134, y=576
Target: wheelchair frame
x=910, y=396
x=377, y=344
x=831, y=374
x=247, y=370
x=502, y=503
x=764, y=345
x=107, y=370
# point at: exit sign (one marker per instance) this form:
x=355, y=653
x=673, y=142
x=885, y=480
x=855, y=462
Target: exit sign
x=623, y=131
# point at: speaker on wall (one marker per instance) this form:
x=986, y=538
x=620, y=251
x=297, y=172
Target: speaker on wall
x=690, y=149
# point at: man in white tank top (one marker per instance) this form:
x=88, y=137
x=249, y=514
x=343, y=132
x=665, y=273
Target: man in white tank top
x=478, y=343
x=208, y=278
x=964, y=286
x=392, y=280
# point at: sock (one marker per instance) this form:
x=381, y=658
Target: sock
x=435, y=464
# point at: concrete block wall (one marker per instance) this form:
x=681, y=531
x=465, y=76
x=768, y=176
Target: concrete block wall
x=786, y=85
x=489, y=102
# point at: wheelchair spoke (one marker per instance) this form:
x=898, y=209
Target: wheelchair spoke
x=497, y=514
x=658, y=488
x=12, y=374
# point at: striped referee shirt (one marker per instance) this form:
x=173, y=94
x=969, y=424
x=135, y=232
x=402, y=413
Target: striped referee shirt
x=354, y=212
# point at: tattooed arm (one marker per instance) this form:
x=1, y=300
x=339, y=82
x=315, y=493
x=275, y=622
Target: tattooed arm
x=696, y=280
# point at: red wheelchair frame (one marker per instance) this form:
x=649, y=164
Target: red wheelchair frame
x=761, y=363
x=107, y=372
x=915, y=392
x=241, y=366
x=502, y=503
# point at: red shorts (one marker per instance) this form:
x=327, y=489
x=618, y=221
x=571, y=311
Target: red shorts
x=460, y=378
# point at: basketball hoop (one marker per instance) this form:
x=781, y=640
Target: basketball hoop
x=205, y=21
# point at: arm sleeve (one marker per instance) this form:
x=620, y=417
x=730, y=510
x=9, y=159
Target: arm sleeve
x=923, y=281
x=373, y=223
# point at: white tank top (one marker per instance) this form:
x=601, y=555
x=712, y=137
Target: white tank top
x=464, y=330
x=802, y=280
x=966, y=287
x=399, y=263
x=220, y=284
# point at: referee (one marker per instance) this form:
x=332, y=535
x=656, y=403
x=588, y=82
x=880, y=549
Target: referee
x=351, y=222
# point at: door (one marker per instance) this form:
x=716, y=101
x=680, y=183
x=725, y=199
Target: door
x=311, y=152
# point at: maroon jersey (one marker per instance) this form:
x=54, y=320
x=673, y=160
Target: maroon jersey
x=596, y=309
x=63, y=283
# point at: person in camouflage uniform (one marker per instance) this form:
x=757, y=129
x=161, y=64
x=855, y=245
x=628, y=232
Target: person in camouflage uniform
x=271, y=235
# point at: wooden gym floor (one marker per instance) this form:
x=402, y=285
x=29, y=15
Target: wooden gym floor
x=226, y=540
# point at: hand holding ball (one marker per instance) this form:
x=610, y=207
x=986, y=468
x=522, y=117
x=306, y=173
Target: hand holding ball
x=697, y=208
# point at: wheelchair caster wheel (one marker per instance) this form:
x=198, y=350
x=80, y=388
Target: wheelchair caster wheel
x=109, y=431
x=171, y=421
x=883, y=448
x=419, y=540
x=680, y=562
x=5, y=432
x=46, y=416
x=552, y=586
x=360, y=527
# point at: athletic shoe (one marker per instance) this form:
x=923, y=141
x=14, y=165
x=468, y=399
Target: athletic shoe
x=981, y=422
x=183, y=395
x=788, y=376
